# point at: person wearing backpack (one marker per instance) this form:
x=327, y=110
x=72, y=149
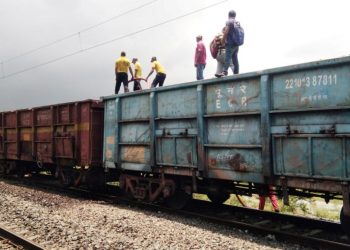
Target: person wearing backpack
x=217, y=49
x=233, y=38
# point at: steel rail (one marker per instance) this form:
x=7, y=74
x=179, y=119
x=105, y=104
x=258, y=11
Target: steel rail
x=18, y=240
x=284, y=227
x=294, y=229
x=260, y=219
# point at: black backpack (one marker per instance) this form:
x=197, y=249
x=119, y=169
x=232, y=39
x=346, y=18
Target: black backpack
x=238, y=34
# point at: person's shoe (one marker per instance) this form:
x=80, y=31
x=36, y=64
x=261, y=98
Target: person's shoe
x=218, y=75
x=223, y=73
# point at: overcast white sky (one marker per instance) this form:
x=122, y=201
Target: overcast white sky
x=277, y=33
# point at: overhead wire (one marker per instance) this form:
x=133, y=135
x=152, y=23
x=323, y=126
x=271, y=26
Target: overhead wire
x=78, y=33
x=115, y=39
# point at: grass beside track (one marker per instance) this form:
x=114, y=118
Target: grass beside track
x=310, y=207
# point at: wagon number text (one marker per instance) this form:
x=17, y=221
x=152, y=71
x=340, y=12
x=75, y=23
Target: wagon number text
x=312, y=81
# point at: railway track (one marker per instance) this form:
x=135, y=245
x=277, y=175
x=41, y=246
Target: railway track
x=18, y=242
x=300, y=230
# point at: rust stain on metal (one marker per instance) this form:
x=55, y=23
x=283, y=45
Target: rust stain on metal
x=26, y=137
x=134, y=154
x=84, y=126
x=109, y=153
x=232, y=100
x=168, y=158
x=110, y=140
x=212, y=162
x=189, y=158
x=238, y=163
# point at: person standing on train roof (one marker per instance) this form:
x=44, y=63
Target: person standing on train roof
x=160, y=77
x=200, y=57
x=230, y=47
x=122, y=65
x=221, y=55
x=138, y=74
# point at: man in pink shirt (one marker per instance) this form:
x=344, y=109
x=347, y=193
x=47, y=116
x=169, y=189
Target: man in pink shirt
x=200, y=57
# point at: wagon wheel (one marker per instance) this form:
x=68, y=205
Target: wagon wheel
x=65, y=177
x=11, y=168
x=178, y=200
x=218, y=198
x=21, y=171
x=2, y=168
x=345, y=222
x=96, y=179
x=52, y=170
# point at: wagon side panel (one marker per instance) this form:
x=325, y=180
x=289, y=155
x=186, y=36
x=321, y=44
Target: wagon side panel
x=233, y=141
x=311, y=123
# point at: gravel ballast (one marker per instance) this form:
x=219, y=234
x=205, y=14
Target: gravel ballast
x=5, y=245
x=59, y=222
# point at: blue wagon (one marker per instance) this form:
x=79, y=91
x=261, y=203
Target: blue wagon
x=288, y=127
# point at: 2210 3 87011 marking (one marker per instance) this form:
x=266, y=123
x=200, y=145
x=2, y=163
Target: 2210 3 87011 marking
x=311, y=81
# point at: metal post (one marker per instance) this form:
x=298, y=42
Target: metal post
x=202, y=166
x=117, y=151
x=265, y=124
x=153, y=114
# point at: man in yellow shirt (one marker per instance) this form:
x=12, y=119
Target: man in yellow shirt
x=122, y=65
x=138, y=74
x=160, y=77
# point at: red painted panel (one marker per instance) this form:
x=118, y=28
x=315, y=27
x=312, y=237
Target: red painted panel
x=11, y=150
x=68, y=133
x=43, y=134
x=43, y=117
x=97, y=135
x=44, y=149
x=64, y=114
x=10, y=135
x=10, y=119
x=64, y=147
x=25, y=118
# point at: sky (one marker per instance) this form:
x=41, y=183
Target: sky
x=80, y=40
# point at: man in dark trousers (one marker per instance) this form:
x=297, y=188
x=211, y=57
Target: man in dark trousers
x=122, y=65
x=138, y=74
x=160, y=77
x=231, y=48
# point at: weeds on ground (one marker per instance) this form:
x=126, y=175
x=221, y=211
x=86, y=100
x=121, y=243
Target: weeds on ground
x=314, y=207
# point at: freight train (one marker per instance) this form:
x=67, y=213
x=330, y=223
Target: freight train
x=287, y=127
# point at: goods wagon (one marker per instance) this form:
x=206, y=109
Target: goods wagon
x=288, y=127
x=61, y=138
